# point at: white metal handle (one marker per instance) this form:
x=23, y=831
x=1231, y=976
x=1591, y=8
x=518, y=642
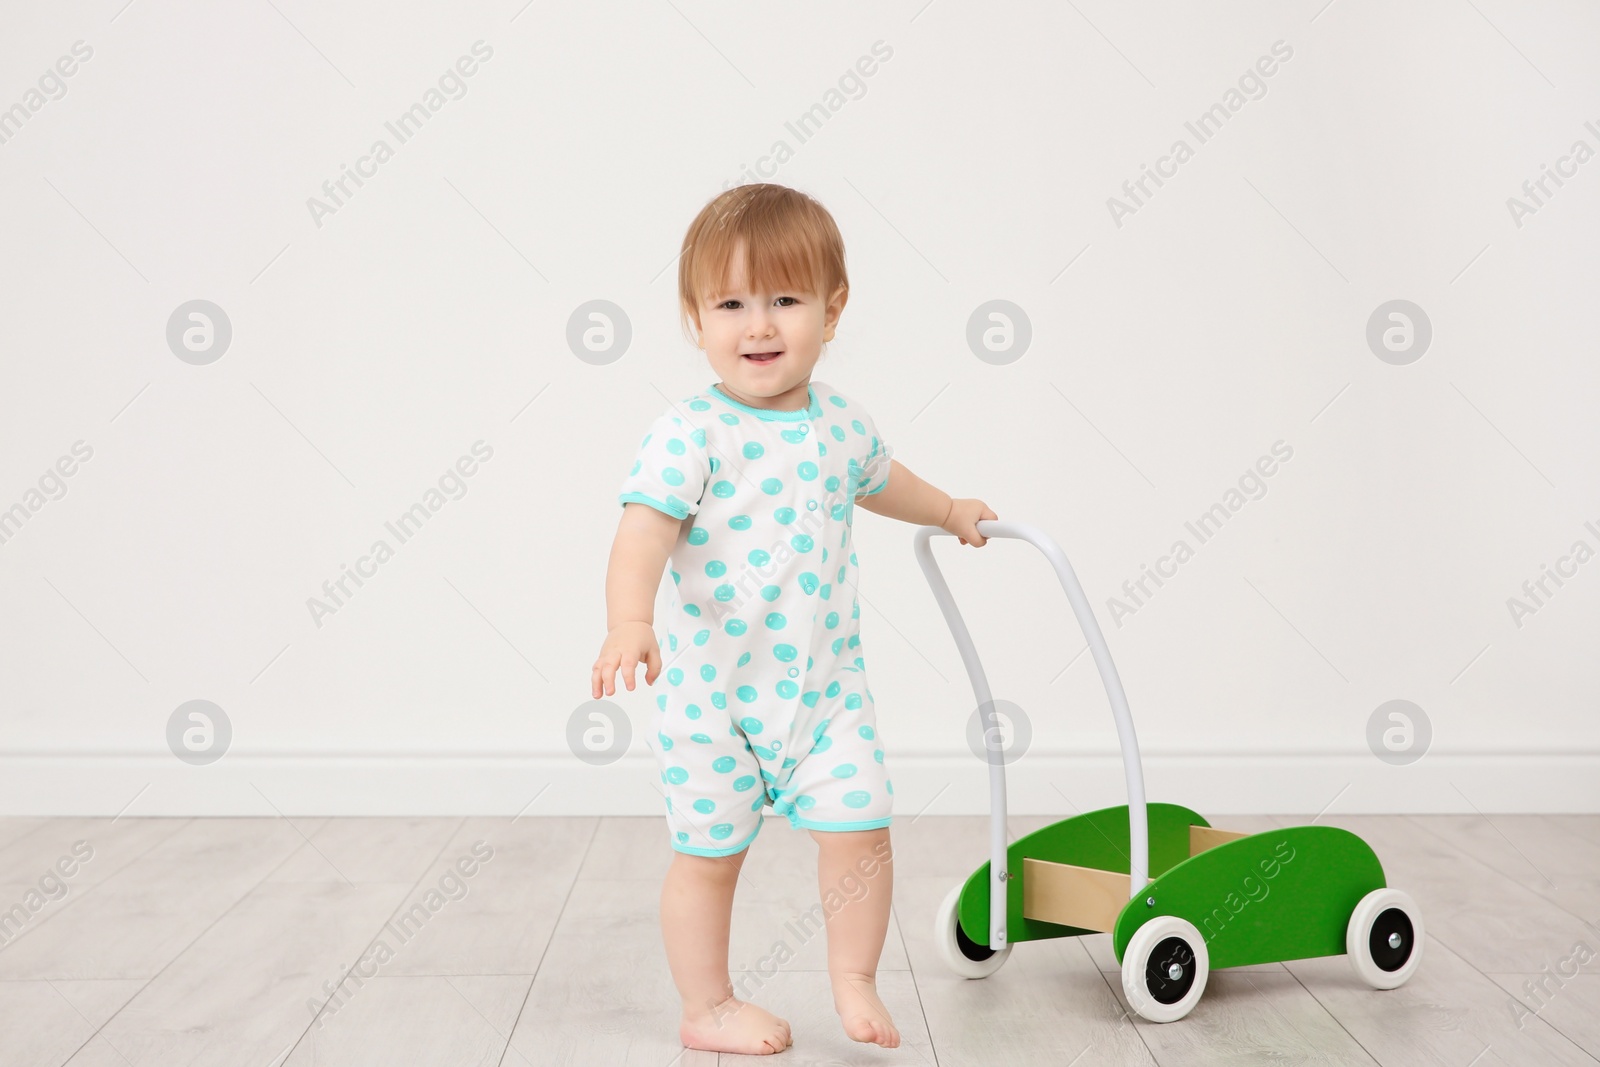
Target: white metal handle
x=1138, y=822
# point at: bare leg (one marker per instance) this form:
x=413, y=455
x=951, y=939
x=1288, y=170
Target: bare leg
x=696, y=908
x=855, y=876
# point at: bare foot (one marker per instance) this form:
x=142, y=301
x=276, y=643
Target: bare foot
x=855, y=998
x=735, y=1026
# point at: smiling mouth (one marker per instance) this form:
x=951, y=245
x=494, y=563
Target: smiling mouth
x=762, y=357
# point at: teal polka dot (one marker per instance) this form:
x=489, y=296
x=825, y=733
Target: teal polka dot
x=769, y=593
x=676, y=447
x=856, y=425
x=837, y=431
x=852, y=702
x=822, y=744
x=693, y=711
x=785, y=653
x=751, y=725
x=809, y=582
x=765, y=753
x=805, y=802
x=832, y=690
x=730, y=418
x=844, y=770
x=692, y=609
x=801, y=543
x=832, y=484
x=699, y=535
x=787, y=689
x=856, y=798
x=746, y=693
x=769, y=486
x=677, y=775
x=672, y=475
x=740, y=522
x=719, y=700
x=866, y=732
x=743, y=660
x=702, y=637
x=706, y=807
x=666, y=742
x=735, y=627
x=753, y=450
x=723, y=489
x=674, y=675
x=724, y=764
x=707, y=672
x=724, y=592
x=832, y=620
x=743, y=783
x=877, y=754
x=722, y=831
x=683, y=838
x=716, y=569
x=807, y=471
x=699, y=405
x=776, y=620
x=784, y=515
x=888, y=786
x=700, y=739
x=758, y=557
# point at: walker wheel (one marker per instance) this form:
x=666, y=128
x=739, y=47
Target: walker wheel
x=960, y=953
x=1384, y=938
x=1164, y=969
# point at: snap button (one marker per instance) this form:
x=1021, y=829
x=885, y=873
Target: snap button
x=804, y=428
x=794, y=672
x=811, y=505
x=776, y=745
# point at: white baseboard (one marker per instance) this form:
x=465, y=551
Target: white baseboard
x=298, y=785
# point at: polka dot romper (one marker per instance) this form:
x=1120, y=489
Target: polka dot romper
x=763, y=699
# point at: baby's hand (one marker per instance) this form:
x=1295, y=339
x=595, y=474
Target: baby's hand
x=626, y=646
x=963, y=520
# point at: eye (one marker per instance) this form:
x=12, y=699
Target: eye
x=724, y=305
x=788, y=298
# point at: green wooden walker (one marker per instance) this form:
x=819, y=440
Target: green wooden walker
x=1177, y=896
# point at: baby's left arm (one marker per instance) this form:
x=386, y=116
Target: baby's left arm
x=910, y=499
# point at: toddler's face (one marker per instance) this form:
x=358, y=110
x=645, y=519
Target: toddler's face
x=737, y=323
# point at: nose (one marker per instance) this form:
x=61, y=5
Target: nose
x=760, y=323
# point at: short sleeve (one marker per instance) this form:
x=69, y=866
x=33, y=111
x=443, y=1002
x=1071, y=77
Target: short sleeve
x=671, y=469
x=873, y=474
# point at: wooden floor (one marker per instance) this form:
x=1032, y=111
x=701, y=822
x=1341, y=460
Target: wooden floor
x=217, y=941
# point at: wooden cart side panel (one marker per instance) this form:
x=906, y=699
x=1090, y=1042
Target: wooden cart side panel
x=1095, y=839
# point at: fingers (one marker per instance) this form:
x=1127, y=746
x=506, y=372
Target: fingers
x=630, y=664
x=653, y=661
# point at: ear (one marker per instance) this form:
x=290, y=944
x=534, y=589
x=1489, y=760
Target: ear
x=835, y=308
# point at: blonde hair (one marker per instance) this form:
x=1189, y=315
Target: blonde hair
x=790, y=242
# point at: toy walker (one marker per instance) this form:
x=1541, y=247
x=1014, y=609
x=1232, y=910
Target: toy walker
x=1178, y=896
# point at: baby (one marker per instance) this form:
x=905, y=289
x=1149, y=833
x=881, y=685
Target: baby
x=749, y=488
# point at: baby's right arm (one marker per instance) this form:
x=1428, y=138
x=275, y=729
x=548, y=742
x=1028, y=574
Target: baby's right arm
x=644, y=541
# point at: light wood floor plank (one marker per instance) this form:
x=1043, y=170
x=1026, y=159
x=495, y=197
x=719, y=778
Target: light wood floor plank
x=1531, y=850
x=455, y=1021
x=1570, y=1003
x=1446, y=1015
x=249, y=986
x=135, y=922
x=498, y=920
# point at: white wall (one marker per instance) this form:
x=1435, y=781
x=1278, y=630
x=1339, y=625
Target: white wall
x=373, y=346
